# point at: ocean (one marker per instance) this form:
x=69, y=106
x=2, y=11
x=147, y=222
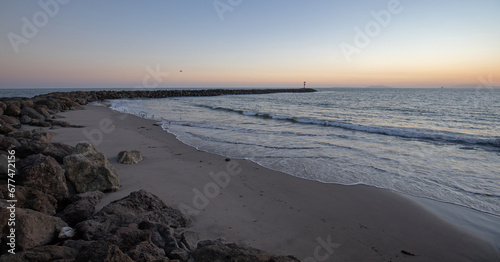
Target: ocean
x=439, y=144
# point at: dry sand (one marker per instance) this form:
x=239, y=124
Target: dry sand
x=271, y=210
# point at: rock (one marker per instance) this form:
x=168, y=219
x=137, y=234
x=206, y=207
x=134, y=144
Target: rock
x=27, y=103
x=147, y=252
x=179, y=254
x=219, y=252
x=42, y=136
x=33, y=228
x=41, y=123
x=92, y=196
x=4, y=170
x=6, y=128
x=56, y=150
x=25, y=120
x=10, y=120
x=3, y=106
x=130, y=157
x=81, y=208
x=140, y=208
x=89, y=170
x=45, y=174
x=128, y=237
x=43, y=112
x=12, y=110
x=31, y=198
x=28, y=111
x=189, y=239
x=161, y=235
x=59, y=123
x=66, y=232
x=7, y=142
x=102, y=251
x=50, y=103
x=1, y=111
x=42, y=254
x=77, y=212
x=79, y=245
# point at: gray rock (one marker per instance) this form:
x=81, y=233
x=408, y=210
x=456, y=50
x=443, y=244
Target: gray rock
x=130, y=157
x=45, y=174
x=25, y=119
x=32, y=228
x=89, y=170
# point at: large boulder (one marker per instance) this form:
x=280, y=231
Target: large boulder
x=82, y=208
x=90, y=170
x=12, y=110
x=32, y=227
x=7, y=142
x=31, y=198
x=130, y=157
x=142, y=208
x=56, y=150
x=102, y=251
x=32, y=113
x=147, y=252
x=45, y=174
x=42, y=254
x=10, y=120
x=218, y=251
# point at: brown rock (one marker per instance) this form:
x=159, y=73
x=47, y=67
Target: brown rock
x=128, y=237
x=81, y=208
x=10, y=120
x=7, y=128
x=7, y=142
x=89, y=170
x=45, y=174
x=42, y=254
x=56, y=150
x=31, y=198
x=140, y=208
x=32, y=113
x=102, y=251
x=12, y=110
x=32, y=228
x=147, y=252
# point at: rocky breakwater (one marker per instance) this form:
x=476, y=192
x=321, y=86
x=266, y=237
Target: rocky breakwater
x=56, y=187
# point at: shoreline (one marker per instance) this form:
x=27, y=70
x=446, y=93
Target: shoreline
x=268, y=209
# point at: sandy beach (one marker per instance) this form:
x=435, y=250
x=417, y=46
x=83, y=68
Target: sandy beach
x=245, y=203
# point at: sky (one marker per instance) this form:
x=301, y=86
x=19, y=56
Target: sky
x=248, y=43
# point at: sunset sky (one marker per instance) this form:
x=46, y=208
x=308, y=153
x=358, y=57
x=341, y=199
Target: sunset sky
x=248, y=43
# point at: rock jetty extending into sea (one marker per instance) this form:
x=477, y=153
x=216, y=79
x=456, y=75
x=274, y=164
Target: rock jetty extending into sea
x=57, y=186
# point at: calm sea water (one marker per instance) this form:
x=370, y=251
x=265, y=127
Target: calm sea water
x=442, y=144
